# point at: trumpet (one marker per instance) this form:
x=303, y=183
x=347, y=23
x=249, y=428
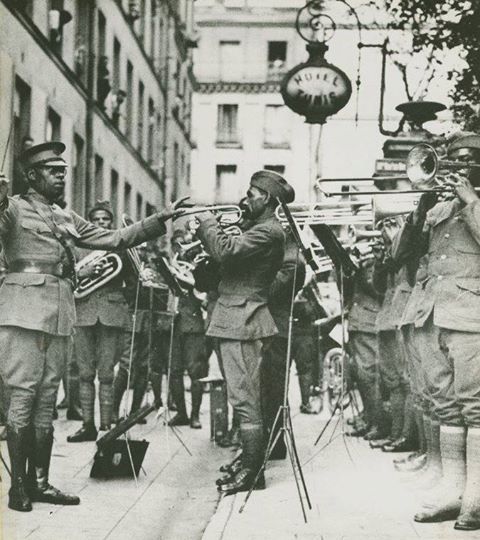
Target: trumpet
x=111, y=265
x=229, y=214
x=422, y=167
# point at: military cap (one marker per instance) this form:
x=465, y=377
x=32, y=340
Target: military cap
x=41, y=154
x=274, y=184
x=464, y=140
x=101, y=205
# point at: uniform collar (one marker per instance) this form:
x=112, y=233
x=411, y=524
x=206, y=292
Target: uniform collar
x=38, y=197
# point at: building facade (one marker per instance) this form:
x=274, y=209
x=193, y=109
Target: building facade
x=113, y=80
x=240, y=122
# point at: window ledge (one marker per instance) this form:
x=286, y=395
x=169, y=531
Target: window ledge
x=224, y=144
x=285, y=145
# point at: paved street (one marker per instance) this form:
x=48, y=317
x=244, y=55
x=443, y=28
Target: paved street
x=355, y=493
x=174, y=499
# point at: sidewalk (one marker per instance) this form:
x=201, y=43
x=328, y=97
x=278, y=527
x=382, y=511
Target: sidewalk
x=357, y=498
x=175, y=499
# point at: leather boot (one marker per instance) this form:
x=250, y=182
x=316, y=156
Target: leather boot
x=197, y=392
x=88, y=431
x=305, y=382
x=156, y=380
x=469, y=519
x=18, y=441
x=105, y=397
x=41, y=490
x=419, y=421
x=139, y=388
x=445, y=502
x=397, y=402
x=119, y=387
x=252, y=458
x=178, y=395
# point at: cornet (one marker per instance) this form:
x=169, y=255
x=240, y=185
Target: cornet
x=422, y=166
x=229, y=214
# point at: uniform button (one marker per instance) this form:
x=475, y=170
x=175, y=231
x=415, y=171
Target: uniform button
x=440, y=278
x=443, y=257
x=355, y=303
x=447, y=235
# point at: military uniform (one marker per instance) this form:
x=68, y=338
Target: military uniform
x=275, y=355
x=102, y=318
x=241, y=320
x=363, y=310
x=392, y=360
x=37, y=317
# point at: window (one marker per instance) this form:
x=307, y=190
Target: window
x=277, y=56
x=81, y=39
x=175, y=171
x=140, y=112
x=114, y=192
x=178, y=79
x=116, y=65
x=280, y=169
x=226, y=185
x=21, y=114
x=151, y=131
x=230, y=61
x=78, y=174
x=139, y=207
x=53, y=127
x=128, y=123
x=56, y=21
x=227, y=124
x=127, y=198
x=103, y=72
x=276, y=127
x=98, y=177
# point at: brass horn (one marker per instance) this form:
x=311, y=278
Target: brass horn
x=229, y=214
x=422, y=166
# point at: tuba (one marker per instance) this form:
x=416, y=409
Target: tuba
x=111, y=267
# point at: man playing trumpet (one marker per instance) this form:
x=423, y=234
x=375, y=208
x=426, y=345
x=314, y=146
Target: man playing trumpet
x=241, y=320
x=449, y=231
x=38, y=238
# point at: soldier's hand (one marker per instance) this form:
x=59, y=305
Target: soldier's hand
x=175, y=209
x=426, y=202
x=3, y=186
x=462, y=188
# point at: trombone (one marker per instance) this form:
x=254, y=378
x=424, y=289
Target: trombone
x=342, y=213
x=422, y=166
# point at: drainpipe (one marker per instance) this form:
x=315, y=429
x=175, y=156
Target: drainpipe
x=89, y=150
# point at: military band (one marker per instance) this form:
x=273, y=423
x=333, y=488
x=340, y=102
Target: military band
x=411, y=308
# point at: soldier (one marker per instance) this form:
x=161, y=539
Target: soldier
x=189, y=352
x=451, y=236
x=393, y=283
x=38, y=239
x=281, y=294
x=241, y=320
x=363, y=309
x=102, y=318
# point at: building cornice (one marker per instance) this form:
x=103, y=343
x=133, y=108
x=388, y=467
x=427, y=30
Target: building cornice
x=238, y=87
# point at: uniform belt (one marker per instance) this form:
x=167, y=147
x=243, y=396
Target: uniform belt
x=40, y=267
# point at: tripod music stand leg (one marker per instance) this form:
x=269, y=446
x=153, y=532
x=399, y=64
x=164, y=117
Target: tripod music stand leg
x=289, y=431
x=291, y=455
